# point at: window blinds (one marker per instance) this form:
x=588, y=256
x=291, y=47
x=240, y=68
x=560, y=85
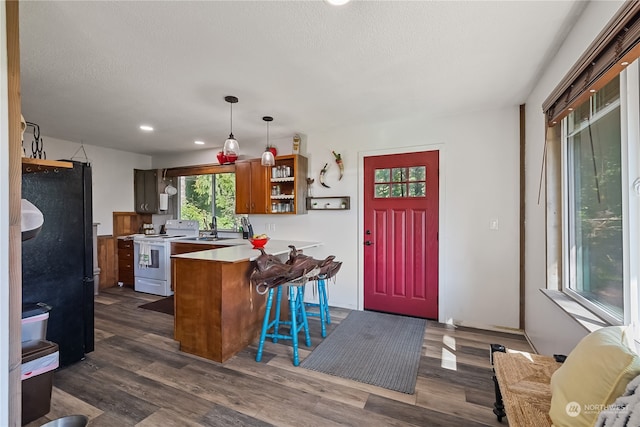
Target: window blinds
x=617, y=45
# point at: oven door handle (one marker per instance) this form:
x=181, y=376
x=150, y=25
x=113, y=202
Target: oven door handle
x=153, y=244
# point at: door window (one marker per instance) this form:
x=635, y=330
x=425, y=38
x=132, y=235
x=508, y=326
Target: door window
x=400, y=182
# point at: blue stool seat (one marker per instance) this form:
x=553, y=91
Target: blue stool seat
x=322, y=305
x=296, y=301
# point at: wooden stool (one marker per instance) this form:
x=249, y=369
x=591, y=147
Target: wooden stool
x=296, y=301
x=322, y=305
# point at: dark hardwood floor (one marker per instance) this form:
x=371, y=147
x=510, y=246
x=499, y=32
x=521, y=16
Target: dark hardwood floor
x=137, y=377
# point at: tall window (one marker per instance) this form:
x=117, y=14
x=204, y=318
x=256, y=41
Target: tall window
x=594, y=208
x=203, y=197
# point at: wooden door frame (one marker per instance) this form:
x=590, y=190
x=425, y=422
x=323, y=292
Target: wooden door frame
x=10, y=193
x=402, y=150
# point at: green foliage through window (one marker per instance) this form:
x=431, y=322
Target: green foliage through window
x=400, y=182
x=203, y=196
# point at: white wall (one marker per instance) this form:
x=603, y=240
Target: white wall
x=549, y=329
x=111, y=171
x=4, y=224
x=479, y=182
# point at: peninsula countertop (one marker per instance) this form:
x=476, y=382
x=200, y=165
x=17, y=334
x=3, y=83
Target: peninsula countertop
x=237, y=250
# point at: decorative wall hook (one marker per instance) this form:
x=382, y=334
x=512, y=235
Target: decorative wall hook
x=37, y=145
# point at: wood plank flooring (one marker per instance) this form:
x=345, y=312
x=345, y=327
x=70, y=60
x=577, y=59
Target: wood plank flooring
x=137, y=377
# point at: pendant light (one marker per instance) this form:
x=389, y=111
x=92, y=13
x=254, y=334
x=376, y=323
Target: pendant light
x=268, y=158
x=231, y=147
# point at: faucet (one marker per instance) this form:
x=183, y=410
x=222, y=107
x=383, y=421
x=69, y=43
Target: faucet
x=214, y=227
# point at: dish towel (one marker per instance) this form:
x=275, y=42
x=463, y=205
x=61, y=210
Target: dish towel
x=144, y=255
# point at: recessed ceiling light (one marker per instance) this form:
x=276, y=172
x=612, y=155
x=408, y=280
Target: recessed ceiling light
x=198, y=142
x=337, y=2
x=592, y=91
x=146, y=128
x=570, y=109
x=624, y=64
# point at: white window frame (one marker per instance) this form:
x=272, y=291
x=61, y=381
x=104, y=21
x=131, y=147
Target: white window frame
x=630, y=139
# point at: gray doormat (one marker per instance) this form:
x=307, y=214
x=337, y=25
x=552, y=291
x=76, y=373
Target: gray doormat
x=373, y=348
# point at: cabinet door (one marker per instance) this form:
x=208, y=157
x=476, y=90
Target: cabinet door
x=151, y=190
x=146, y=190
x=138, y=190
x=259, y=188
x=243, y=187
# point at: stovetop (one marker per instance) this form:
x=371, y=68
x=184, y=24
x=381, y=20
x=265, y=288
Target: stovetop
x=176, y=229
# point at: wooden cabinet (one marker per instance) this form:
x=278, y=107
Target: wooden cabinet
x=146, y=190
x=288, y=185
x=186, y=247
x=252, y=186
x=125, y=262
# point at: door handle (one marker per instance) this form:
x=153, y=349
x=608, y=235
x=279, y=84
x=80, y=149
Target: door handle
x=368, y=243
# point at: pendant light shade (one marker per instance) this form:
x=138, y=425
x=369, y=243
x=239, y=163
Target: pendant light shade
x=231, y=147
x=268, y=159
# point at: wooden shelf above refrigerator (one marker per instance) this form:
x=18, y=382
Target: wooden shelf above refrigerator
x=39, y=165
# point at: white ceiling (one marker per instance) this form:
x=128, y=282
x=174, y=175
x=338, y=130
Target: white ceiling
x=94, y=71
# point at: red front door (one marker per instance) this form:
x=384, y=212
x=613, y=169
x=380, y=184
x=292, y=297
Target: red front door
x=401, y=234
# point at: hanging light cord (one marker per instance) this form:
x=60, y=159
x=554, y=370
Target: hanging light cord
x=231, y=118
x=268, y=145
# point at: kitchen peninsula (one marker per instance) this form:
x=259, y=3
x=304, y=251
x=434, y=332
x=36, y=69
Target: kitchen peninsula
x=217, y=310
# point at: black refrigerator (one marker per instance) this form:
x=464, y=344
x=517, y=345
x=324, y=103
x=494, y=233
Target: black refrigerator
x=57, y=264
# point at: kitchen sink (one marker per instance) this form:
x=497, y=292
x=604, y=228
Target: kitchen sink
x=207, y=238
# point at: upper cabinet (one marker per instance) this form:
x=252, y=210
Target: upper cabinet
x=278, y=190
x=288, y=185
x=252, y=183
x=146, y=190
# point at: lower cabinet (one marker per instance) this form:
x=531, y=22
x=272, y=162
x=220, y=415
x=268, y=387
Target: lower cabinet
x=125, y=262
x=185, y=248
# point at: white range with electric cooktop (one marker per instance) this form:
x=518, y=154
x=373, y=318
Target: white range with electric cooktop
x=152, y=256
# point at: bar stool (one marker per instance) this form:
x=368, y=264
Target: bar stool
x=322, y=305
x=296, y=301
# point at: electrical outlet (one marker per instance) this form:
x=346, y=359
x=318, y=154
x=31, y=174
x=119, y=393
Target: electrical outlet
x=493, y=224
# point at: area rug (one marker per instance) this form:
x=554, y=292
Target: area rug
x=373, y=348
x=164, y=305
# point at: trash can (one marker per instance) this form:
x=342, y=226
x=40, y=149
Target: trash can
x=34, y=321
x=39, y=359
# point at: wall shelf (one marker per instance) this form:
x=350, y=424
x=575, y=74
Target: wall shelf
x=30, y=165
x=335, y=203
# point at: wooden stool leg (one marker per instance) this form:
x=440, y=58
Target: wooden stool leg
x=265, y=325
x=294, y=327
x=325, y=301
x=305, y=323
x=321, y=307
x=276, y=321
